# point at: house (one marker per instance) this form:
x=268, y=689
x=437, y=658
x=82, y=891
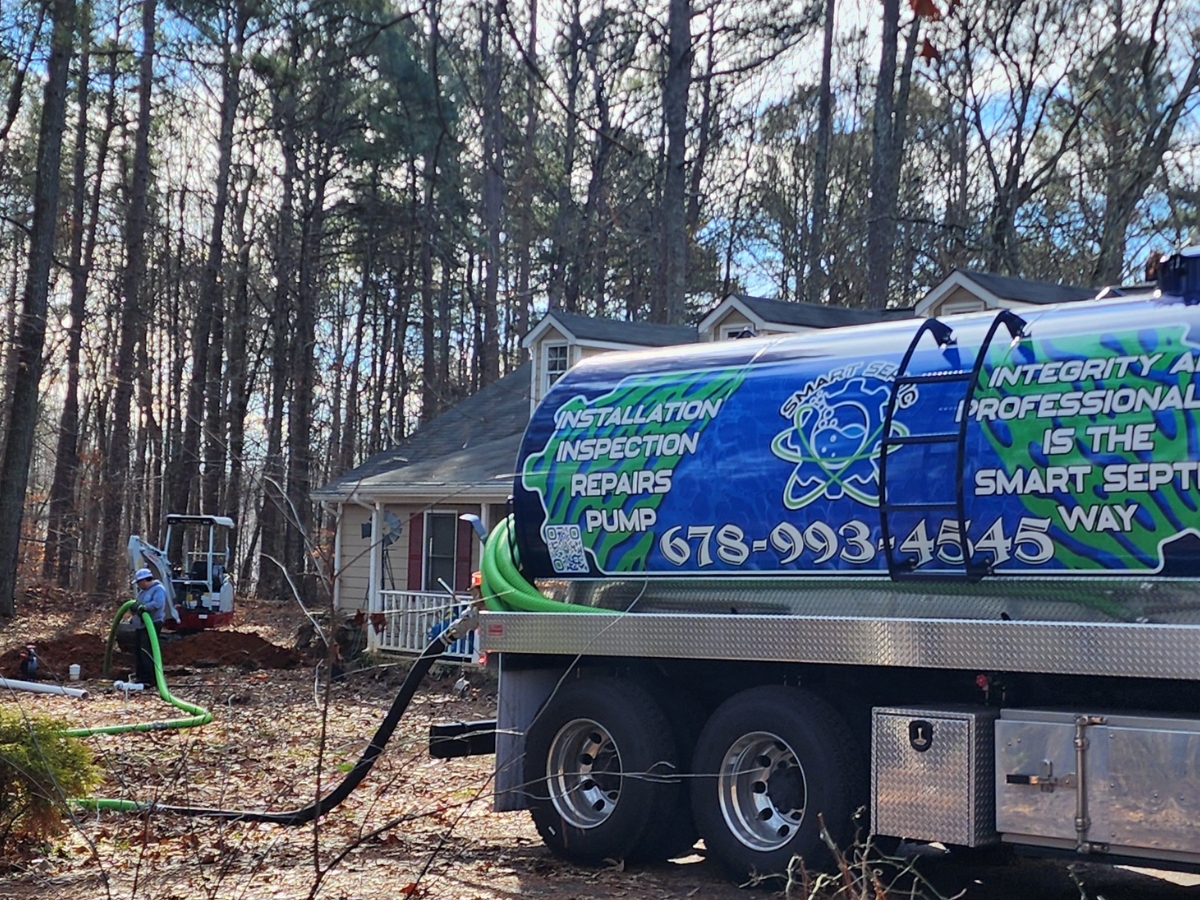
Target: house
x=399, y=512
x=401, y=541
x=964, y=291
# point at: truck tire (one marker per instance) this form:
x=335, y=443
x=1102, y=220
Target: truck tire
x=674, y=834
x=601, y=769
x=769, y=761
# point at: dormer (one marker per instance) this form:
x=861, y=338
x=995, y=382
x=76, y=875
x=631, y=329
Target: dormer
x=562, y=339
x=964, y=291
x=741, y=315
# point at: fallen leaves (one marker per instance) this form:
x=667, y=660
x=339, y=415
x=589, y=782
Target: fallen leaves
x=268, y=755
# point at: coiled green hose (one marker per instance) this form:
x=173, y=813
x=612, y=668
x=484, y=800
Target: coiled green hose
x=505, y=588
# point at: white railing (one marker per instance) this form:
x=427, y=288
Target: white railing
x=411, y=619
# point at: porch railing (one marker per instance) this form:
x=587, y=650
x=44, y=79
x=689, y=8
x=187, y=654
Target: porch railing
x=411, y=619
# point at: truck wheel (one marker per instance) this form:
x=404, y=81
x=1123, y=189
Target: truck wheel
x=601, y=766
x=674, y=833
x=769, y=761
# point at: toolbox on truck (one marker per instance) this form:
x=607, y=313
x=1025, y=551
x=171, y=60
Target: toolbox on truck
x=931, y=774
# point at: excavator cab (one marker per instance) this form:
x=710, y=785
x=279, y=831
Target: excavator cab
x=194, y=566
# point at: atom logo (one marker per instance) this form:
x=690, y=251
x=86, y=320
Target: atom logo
x=834, y=441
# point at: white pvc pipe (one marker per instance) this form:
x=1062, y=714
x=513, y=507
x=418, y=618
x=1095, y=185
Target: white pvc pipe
x=36, y=688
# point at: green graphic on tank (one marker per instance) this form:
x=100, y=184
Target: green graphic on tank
x=606, y=468
x=1095, y=436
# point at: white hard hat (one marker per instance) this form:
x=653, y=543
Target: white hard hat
x=142, y=573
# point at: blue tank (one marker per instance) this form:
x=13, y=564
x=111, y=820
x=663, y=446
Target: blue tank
x=1062, y=441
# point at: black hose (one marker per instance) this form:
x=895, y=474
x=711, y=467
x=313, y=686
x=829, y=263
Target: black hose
x=354, y=777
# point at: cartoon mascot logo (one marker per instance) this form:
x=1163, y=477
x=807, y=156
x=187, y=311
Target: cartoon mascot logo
x=835, y=434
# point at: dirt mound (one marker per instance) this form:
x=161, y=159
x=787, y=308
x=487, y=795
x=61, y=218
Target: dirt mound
x=216, y=648
x=56, y=656
x=228, y=648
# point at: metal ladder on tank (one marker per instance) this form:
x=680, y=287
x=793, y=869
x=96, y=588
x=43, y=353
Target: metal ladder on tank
x=905, y=568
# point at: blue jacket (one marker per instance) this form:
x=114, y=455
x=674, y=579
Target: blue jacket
x=154, y=600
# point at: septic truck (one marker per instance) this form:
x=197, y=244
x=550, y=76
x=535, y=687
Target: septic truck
x=940, y=573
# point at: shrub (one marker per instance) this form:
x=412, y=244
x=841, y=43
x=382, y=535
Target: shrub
x=39, y=768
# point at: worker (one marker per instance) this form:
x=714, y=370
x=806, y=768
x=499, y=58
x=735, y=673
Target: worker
x=152, y=599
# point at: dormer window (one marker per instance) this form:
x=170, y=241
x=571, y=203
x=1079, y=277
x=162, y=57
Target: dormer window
x=737, y=330
x=556, y=363
x=954, y=307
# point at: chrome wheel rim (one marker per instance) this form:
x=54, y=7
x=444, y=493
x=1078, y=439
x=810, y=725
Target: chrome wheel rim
x=583, y=769
x=763, y=791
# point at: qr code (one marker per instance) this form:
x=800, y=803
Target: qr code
x=566, y=549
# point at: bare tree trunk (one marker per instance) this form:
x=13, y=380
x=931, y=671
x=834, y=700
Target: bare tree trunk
x=383, y=330
x=18, y=449
x=298, y=527
x=564, y=228
x=525, y=223
x=61, y=525
x=116, y=464
x=493, y=186
x=214, y=423
x=148, y=454
x=400, y=383
x=446, y=396
x=272, y=519
x=433, y=384
x=237, y=336
x=674, y=200
x=17, y=92
x=885, y=162
x=707, y=128
x=814, y=287
x=8, y=352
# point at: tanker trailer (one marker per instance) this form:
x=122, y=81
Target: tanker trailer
x=944, y=570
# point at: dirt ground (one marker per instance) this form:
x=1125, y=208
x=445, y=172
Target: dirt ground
x=417, y=827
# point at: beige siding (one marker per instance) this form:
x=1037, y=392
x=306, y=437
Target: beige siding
x=354, y=566
x=552, y=336
x=731, y=318
x=958, y=296
x=354, y=563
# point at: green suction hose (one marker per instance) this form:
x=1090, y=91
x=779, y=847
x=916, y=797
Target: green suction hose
x=433, y=652
x=505, y=588
x=197, y=715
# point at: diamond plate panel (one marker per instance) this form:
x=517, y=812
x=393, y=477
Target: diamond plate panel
x=1162, y=601
x=941, y=793
x=1067, y=648
x=1036, y=743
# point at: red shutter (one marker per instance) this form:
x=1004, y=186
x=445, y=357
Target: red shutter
x=416, y=552
x=462, y=556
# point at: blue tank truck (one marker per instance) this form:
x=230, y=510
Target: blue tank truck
x=944, y=571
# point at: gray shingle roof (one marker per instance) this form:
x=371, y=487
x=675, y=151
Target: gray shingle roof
x=641, y=334
x=815, y=315
x=1028, y=291
x=473, y=444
